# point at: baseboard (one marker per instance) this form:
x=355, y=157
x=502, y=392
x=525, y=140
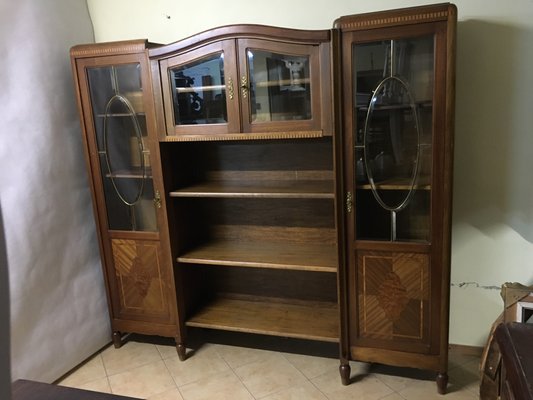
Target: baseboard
x=465, y=350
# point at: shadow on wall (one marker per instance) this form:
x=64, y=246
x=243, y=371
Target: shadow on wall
x=493, y=183
x=5, y=359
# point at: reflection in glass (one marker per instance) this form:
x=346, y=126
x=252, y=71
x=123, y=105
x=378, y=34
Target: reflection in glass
x=119, y=121
x=279, y=87
x=199, y=92
x=393, y=134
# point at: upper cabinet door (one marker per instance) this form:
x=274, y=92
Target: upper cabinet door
x=279, y=86
x=199, y=90
x=246, y=82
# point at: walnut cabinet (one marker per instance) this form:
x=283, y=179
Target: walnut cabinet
x=118, y=123
x=398, y=103
x=279, y=181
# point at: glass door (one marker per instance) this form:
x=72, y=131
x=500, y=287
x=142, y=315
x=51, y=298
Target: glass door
x=201, y=94
x=279, y=86
x=116, y=96
x=393, y=136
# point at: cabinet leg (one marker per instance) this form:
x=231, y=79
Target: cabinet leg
x=117, y=339
x=442, y=382
x=345, y=372
x=182, y=351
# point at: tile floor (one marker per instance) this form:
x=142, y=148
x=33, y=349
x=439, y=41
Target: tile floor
x=236, y=366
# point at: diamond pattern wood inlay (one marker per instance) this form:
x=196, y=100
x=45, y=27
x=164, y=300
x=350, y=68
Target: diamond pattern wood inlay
x=138, y=276
x=393, y=295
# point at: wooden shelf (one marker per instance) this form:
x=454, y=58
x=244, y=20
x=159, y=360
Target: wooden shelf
x=195, y=89
x=131, y=174
x=283, y=83
x=260, y=254
x=303, y=320
x=275, y=189
x=420, y=104
x=395, y=184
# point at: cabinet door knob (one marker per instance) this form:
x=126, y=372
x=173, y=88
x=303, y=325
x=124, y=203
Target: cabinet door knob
x=244, y=87
x=157, y=199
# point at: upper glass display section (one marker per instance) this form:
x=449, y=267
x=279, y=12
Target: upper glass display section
x=199, y=91
x=279, y=86
x=393, y=89
x=121, y=136
x=245, y=85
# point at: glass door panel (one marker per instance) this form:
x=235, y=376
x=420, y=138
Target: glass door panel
x=393, y=138
x=121, y=135
x=199, y=91
x=279, y=86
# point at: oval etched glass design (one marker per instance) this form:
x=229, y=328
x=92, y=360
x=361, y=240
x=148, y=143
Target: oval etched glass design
x=121, y=129
x=392, y=144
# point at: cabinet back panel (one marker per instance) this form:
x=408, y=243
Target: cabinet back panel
x=259, y=160
x=265, y=219
x=279, y=285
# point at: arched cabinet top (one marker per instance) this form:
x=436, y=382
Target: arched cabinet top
x=286, y=35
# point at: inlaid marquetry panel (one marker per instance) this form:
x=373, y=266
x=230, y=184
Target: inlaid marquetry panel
x=394, y=295
x=139, y=276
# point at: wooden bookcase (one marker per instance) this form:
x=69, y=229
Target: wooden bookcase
x=292, y=183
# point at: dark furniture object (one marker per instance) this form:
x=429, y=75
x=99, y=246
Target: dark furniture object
x=515, y=342
x=29, y=390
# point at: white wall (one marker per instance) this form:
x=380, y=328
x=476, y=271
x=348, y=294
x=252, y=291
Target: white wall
x=493, y=190
x=58, y=304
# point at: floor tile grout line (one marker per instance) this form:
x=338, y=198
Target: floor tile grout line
x=138, y=366
x=301, y=372
x=470, y=390
x=310, y=380
x=172, y=376
x=320, y=390
x=235, y=373
x=130, y=369
x=293, y=366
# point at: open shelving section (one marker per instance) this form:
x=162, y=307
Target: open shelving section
x=255, y=237
x=313, y=320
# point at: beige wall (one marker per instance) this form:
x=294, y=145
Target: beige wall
x=493, y=189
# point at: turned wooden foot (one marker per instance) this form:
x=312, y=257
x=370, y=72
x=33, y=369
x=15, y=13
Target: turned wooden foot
x=442, y=382
x=182, y=351
x=345, y=372
x=117, y=339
